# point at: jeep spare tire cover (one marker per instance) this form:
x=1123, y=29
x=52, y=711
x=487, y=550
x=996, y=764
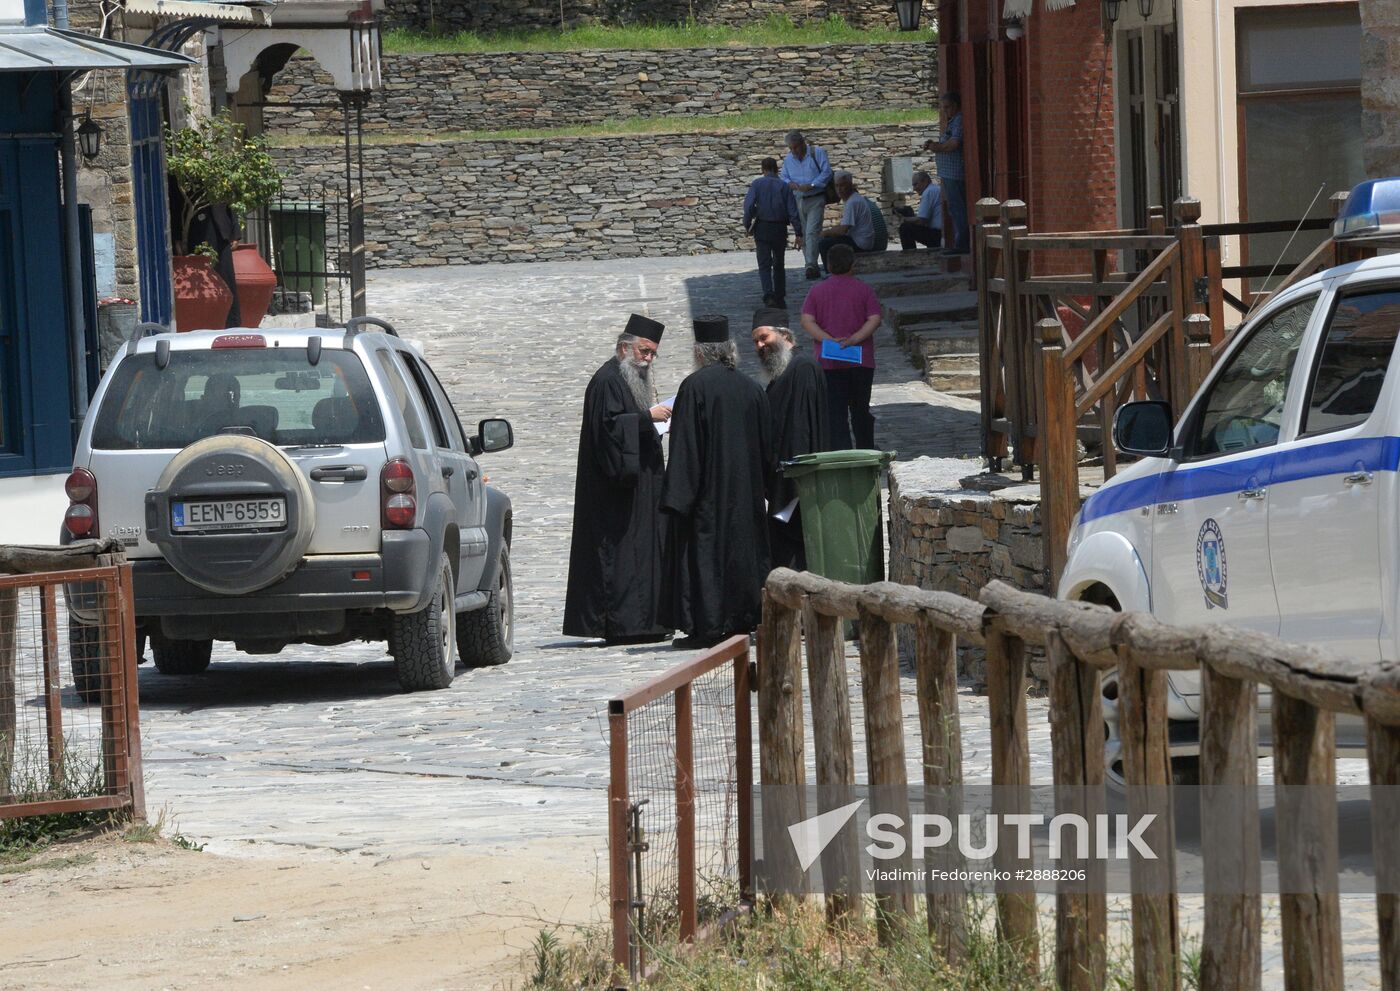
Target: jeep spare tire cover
x=239, y=545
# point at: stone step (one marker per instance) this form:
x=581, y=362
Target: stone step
x=933, y=339
x=945, y=306
x=955, y=372
x=915, y=282
x=956, y=382
x=896, y=260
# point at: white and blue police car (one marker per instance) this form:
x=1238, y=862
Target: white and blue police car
x=1272, y=502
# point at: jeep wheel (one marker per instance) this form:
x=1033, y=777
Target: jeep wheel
x=486, y=636
x=85, y=655
x=423, y=642
x=181, y=656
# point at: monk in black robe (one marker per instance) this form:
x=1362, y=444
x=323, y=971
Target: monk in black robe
x=717, y=481
x=615, y=557
x=797, y=398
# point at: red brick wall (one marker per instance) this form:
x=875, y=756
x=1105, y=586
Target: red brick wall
x=1072, y=185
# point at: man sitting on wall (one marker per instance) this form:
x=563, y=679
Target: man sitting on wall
x=926, y=225
x=857, y=227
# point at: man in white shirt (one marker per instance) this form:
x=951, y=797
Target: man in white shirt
x=807, y=173
x=857, y=227
x=926, y=226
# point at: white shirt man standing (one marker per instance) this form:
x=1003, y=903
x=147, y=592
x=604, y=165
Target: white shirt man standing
x=807, y=172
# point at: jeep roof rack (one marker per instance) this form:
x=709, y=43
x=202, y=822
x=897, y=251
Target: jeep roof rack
x=356, y=325
x=148, y=330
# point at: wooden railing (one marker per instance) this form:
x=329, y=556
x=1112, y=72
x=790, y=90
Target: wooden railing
x=1082, y=641
x=1149, y=330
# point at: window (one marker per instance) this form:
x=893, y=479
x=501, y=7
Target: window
x=1299, y=72
x=201, y=393
x=1355, y=356
x=402, y=399
x=1244, y=408
x=415, y=375
x=454, y=425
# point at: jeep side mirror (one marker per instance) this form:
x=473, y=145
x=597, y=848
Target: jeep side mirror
x=494, y=435
x=1143, y=429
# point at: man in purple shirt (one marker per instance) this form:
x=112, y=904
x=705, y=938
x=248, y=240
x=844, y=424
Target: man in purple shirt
x=841, y=314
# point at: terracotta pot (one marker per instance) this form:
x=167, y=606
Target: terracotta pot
x=202, y=298
x=256, y=282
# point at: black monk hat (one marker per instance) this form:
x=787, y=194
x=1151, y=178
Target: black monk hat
x=640, y=326
x=769, y=316
x=711, y=329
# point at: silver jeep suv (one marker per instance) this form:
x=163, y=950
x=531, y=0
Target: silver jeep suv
x=274, y=487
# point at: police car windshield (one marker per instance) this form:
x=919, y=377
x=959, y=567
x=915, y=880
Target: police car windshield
x=266, y=393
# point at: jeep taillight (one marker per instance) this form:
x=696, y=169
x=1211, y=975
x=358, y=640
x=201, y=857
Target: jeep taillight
x=81, y=518
x=396, y=495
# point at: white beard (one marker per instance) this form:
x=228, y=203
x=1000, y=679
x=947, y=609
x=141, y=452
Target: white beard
x=639, y=382
x=775, y=360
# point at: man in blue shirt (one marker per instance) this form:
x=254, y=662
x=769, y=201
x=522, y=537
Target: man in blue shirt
x=948, y=155
x=807, y=173
x=769, y=209
x=926, y=225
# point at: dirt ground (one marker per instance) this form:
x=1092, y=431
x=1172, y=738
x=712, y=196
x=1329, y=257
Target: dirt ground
x=112, y=914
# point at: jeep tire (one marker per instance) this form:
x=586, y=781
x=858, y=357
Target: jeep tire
x=423, y=643
x=85, y=656
x=486, y=636
x=177, y=657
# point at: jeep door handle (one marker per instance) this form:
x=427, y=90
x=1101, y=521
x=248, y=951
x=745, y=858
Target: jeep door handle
x=471, y=474
x=339, y=473
x=1247, y=494
x=1359, y=478
x=446, y=471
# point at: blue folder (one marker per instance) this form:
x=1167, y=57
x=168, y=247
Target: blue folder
x=835, y=351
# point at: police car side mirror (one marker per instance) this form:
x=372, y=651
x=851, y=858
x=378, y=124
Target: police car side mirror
x=1143, y=429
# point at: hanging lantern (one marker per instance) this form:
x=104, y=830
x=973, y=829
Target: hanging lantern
x=909, y=11
x=90, y=138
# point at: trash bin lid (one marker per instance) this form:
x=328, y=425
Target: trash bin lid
x=828, y=460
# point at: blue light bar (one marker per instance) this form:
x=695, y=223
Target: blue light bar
x=1372, y=210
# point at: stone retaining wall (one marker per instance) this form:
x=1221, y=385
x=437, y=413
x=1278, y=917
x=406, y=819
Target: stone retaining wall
x=450, y=16
x=562, y=198
x=947, y=538
x=504, y=90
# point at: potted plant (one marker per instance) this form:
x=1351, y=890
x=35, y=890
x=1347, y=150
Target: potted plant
x=215, y=164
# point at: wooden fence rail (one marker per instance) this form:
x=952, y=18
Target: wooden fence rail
x=1082, y=641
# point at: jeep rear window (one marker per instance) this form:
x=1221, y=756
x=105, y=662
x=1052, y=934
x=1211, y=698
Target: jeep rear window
x=273, y=393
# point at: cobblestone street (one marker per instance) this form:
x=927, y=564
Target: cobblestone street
x=317, y=748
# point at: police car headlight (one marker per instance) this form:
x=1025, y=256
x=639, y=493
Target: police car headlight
x=1074, y=532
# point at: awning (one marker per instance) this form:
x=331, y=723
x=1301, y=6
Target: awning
x=39, y=49
x=250, y=12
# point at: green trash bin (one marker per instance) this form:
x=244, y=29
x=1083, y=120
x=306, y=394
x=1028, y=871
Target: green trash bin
x=839, y=494
x=299, y=246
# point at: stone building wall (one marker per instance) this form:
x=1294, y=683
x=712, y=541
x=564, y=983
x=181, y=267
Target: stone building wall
x=455, y=202
x=450, y=16
x=1380, y=87
x=946, y=538
x=504, y=90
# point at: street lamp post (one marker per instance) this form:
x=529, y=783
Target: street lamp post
x=909, y=11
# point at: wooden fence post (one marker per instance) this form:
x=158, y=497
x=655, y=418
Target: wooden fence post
x=993, y=441
x=1059, y=468
x=1017, y=920
x=1076, y=735
x=884, y=754
x=1230, y=954
x=782, y=768
x=1192, y=254
x=1142, y=726
x=936, y=674
x=1305, y=762
x=835, y=753
x=685, y=814
x=1199, y=356
x=1383, y=755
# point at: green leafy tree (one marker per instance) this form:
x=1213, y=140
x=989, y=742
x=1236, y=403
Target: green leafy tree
x=215, y=163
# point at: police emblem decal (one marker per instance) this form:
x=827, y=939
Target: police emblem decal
x=1210, y=564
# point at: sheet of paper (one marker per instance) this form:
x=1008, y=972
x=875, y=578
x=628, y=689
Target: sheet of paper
x=834, y=351
x=784, y=515
x=663, y=427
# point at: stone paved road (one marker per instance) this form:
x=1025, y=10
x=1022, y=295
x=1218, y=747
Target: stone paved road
x=316, y=748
